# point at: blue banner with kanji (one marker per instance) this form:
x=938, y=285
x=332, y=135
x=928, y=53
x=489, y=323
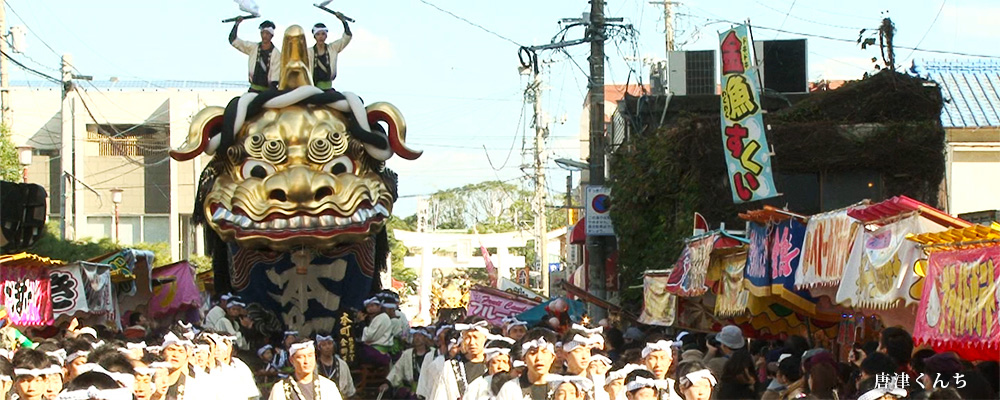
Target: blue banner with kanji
x=748, y=159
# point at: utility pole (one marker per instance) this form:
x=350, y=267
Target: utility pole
x=66, y=151
x=4, y=68
x=541, y=222
x=595, y=244
x=668, y=21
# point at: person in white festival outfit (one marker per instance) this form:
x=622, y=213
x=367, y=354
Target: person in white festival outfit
x=330, y=366
x=456, y=373
x=304, y=384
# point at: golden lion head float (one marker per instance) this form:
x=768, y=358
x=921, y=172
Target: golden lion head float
x=298, y=167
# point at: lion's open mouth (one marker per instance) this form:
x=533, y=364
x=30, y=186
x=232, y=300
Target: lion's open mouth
x=277, y=224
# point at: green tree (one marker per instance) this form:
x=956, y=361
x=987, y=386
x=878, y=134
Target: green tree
x=10, y=164
x=52, y=245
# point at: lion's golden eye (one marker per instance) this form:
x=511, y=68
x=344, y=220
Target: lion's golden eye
x=274, y=151
x=257, y=169
x=340, y=165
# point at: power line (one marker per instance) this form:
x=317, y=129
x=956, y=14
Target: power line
x=470, y=22
x=27, y=68
x=29, y=29
x=928, y=30
x=785, y=19
x=836, y=39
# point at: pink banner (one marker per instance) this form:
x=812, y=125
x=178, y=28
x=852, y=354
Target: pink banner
x=26, y=295
x=958, y=308
x=178, y=289
x=493, y=305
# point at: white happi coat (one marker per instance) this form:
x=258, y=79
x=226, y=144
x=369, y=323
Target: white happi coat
x=379, y=331
x=344, y=381
x=428, y=375
x=479, y=388
x=328, y=390
x=402, y=370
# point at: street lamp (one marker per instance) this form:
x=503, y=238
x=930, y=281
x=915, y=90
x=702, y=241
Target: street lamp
x=572, y=165
x=116, y=197
x=24, y=157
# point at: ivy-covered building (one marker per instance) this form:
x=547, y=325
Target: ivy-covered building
x=868, y=139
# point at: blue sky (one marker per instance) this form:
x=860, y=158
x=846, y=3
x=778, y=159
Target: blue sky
x=457, y=85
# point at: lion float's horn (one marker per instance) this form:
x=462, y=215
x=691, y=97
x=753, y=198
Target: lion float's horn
x=389, y=114
x=294, y=55
x=204, y=135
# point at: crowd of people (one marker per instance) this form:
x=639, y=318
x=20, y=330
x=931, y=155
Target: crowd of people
x=472, y=359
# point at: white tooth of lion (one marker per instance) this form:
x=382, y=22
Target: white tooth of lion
x=218, y=214
x=356, y=218
x=327, y=220
x=312, y=222
x=341, y=221
x=295, y=222
x=227, y=215
x=279, y=223
x=260, y=225
x=244, y=221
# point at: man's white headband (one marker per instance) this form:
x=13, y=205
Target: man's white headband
x=260, y=351
x=663, y=345
x=373, y=300
x=539, y=343
x=578, y=341
x=588, y=331
x=581, y=383
x=98, y=394
x=481, y=326
x=127, y=380
x=641, y=382
x=623, y=372
x=512, y=322
x=268, y=30
x=493, y=352
x=170, y=338
x=601, y=358
x=318, y=30
x=693, y=376
x=53, y=369
x=295, y=348
x=58, y=354
x=291, y=333
x=320, y=338
x=491, y=337
x=421, y=332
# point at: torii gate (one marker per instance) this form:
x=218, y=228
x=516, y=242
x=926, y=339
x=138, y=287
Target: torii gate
x=466, y=245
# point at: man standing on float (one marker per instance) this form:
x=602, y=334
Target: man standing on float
x=264, y=64
x=323, y=55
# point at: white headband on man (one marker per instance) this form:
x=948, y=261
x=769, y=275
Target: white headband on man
x=492, y=337
x=693, y=376
x=493, y=352
x=98, y=394
x=539, y=343
x=578, y=341
x=296, y=347
x=127, y=380
x=52, y=369
x=373, y=300
x=601, y=358
x=268, y=30
x=58, y=354
x=421, y=332
x=513, y=321
x=391, y=306
x=641, y=382
x=588, y=331
x=170, y=339
x=482, y=326
x=319, y=29
x=321, y=338
x=582, y=384
x=623, y=372
x=663, y=345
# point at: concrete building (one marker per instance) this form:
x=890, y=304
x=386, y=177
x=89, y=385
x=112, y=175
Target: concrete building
x=120, y=133
x=971, y=119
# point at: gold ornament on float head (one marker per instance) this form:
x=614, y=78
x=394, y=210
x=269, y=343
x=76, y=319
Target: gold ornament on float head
x=299, y=176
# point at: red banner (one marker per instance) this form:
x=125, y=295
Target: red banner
x=688, y=276
x=26, y=295
x=958, y=308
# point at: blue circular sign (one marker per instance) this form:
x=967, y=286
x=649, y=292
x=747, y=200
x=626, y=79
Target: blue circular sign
x=601, y=203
